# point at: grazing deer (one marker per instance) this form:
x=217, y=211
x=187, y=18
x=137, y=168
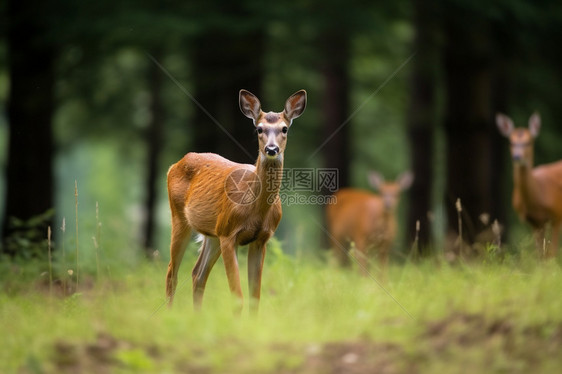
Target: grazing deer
x=366, y=219
x=230, y=204
x=537, y=191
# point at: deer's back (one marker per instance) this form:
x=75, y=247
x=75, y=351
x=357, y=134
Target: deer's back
x=355, y=213
x=196, y=189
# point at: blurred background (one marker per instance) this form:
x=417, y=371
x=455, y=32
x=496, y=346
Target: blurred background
x=99, y=98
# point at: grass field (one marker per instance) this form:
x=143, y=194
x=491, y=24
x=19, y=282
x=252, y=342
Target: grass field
x=427, y=317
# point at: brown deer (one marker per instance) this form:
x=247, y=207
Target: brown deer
x=230, y=204
x=366, y=219
x=537, y=191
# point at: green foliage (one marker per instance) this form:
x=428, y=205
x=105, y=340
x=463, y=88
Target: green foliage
x=135, y=359
x=28, y=238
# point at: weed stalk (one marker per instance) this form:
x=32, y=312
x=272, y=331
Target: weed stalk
x=76, y=213
x=50, y=261
x=97, y=241
x=414, y=252
x=458, y=205
x=63, y=229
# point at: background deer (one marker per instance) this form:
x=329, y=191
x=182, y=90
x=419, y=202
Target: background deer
x=537, y=192
x=366, y=219
x=230, y=204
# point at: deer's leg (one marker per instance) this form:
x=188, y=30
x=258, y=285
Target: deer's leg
x=180, y=238
x=340, y=250
x=540, y=241
x=362, y=256
x=210, y=253
x=256, y=257
x=228, y=251
x=383, y=260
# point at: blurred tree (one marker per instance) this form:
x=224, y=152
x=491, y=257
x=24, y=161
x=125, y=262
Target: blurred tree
x=422, y=118
x=473, y=159
x=227, y=55
x=233, y=62
x=154, y=138
x=335, y=52
x=334, y=47
x=31, y=56
x=468, y=110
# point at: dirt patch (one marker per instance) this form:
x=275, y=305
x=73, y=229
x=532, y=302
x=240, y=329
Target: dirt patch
x=97, y=357
x=482, y=344
x=465, y=330
x=461, y=342
x=355, y=358
x=104, y=355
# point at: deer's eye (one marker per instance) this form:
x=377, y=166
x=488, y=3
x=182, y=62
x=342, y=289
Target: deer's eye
x=260, y=130
x=285, y=129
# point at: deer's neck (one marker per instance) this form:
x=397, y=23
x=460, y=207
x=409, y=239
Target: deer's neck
x=270, y=173
x=524, y=183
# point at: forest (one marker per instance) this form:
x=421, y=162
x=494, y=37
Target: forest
x=99, y=98
x=111, y=96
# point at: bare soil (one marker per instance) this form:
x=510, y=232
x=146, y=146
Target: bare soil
x=458, y=343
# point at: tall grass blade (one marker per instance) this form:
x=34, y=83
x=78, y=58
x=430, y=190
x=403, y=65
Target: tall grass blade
x=50, y=261
x=77, y=242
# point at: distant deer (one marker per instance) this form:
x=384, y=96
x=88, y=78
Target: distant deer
x=537, y=191
x=230, y=204
x=366, y=219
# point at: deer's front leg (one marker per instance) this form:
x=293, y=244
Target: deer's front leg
x=256, y=256
x=228, y=251
x=553, y=250
x=541, y=242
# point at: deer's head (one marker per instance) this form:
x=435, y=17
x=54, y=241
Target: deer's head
x=272, y=127
x=521, y=139
x=390, y=191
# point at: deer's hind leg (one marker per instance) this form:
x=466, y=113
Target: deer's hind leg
x=208, y=256
x=180, y=237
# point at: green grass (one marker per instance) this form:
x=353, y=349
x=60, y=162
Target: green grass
x=435, y=316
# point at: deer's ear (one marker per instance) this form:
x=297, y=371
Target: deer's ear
x=504, y=123
x=405, y=180
x=295, y=105
x=249, y=105
x=375, y=180
x=535, y=124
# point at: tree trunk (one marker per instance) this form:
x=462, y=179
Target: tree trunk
x=335, y=111
x=421, y=120
x=223, y=64
x=499, y=147
x=154, y=142
x=471, y=160
x=29, y=175
x=335, y=104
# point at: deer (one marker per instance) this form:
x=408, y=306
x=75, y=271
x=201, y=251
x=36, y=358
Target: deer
x=230, y=204
x=366, y=219
x=537, y=191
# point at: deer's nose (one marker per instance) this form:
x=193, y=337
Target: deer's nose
x=388, y=202
x=271, y=150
